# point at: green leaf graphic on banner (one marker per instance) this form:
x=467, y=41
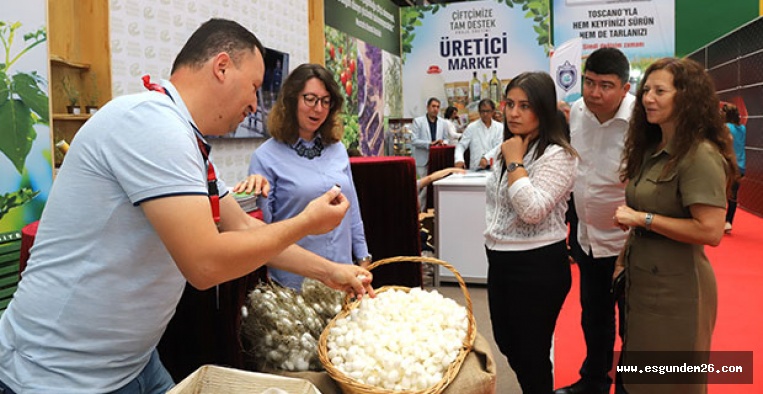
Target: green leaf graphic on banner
x=16, y=132
x=5, y=91
x=28, y=89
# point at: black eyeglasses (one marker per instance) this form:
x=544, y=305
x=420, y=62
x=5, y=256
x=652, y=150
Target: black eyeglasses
x=312, y=100
x=486, y=111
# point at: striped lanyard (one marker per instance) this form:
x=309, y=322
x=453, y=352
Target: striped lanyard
x=212, y=191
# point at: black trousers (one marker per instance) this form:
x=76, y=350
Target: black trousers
x=598, y=317
x=732, y=201
x=526, y=290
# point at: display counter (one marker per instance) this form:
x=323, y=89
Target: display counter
x=459, y=224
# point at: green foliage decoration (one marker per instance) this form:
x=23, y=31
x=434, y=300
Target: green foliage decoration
x=410, y=19
x=23, y=103
x=538, y=11
x=23, y=98
x=16, y=199
x=71, y=92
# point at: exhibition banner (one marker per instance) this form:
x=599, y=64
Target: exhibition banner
x=26, y=173
x=374, y=21
x=362, y=50
x=644, y=30
x=464, y=52
x=565, y=69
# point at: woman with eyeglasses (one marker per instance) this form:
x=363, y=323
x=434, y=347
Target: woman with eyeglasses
x=303, y=160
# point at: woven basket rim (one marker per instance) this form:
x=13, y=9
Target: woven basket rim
x=352, y=386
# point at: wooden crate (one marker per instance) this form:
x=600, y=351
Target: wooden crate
x=211, y=379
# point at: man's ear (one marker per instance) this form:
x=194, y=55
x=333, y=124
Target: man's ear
x=220, y=63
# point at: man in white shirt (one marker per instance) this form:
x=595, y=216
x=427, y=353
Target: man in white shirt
x=480, y=137
x=428, y=130
x=598, y=125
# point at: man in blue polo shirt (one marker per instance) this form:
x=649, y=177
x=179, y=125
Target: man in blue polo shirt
x=134, y=214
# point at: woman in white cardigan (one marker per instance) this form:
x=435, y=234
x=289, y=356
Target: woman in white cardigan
x=527, y=193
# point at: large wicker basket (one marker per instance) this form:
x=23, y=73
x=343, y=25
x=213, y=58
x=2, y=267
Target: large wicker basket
x=352, y=386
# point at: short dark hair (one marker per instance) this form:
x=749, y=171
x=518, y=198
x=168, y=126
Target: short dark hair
x=215, y=36
x=282, y=119
x=609, y=61
x=429, y=102
x=487, y=102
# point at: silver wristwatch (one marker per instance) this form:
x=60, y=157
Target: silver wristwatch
x=513, y=166
x=365, y=260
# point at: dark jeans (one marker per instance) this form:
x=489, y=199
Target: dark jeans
x=598, y=317
x=153, y=379
x=5, y=390
x=526, y=290
x=732, y=202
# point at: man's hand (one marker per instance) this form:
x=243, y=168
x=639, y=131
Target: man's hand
x=326, y=212
x=437, y=143
x=350, y=278
x=460, y=164
x=253, y=184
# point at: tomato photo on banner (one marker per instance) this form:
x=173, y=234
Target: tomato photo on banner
x=341, y=59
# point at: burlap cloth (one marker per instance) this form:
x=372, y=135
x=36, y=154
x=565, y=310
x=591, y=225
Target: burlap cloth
x=477, y=374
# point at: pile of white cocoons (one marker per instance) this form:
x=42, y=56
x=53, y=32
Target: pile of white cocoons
x=399, y=340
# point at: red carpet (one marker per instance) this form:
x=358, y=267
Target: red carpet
x=738, y=265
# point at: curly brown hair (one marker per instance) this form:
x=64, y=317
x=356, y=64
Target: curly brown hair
x=696, y=115
x=282, y=119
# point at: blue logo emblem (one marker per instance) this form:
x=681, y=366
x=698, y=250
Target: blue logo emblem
x=566, y=76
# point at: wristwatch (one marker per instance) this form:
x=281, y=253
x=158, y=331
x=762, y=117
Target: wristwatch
x=365, y=260
x=513, y=166
x=648, y=221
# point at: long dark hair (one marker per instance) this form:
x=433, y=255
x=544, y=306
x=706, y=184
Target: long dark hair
x=541, y=93
x=450, y=111
x=697, y=119
x=282, y=119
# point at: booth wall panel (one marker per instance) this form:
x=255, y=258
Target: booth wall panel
x=754, y=138
x=753, y=71
x=736, y=64
x=749, y=38
x=752, y=100
x=722, y=51
x=726, y=76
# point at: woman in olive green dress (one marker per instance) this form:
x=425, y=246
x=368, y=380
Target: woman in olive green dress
x=675, y=161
